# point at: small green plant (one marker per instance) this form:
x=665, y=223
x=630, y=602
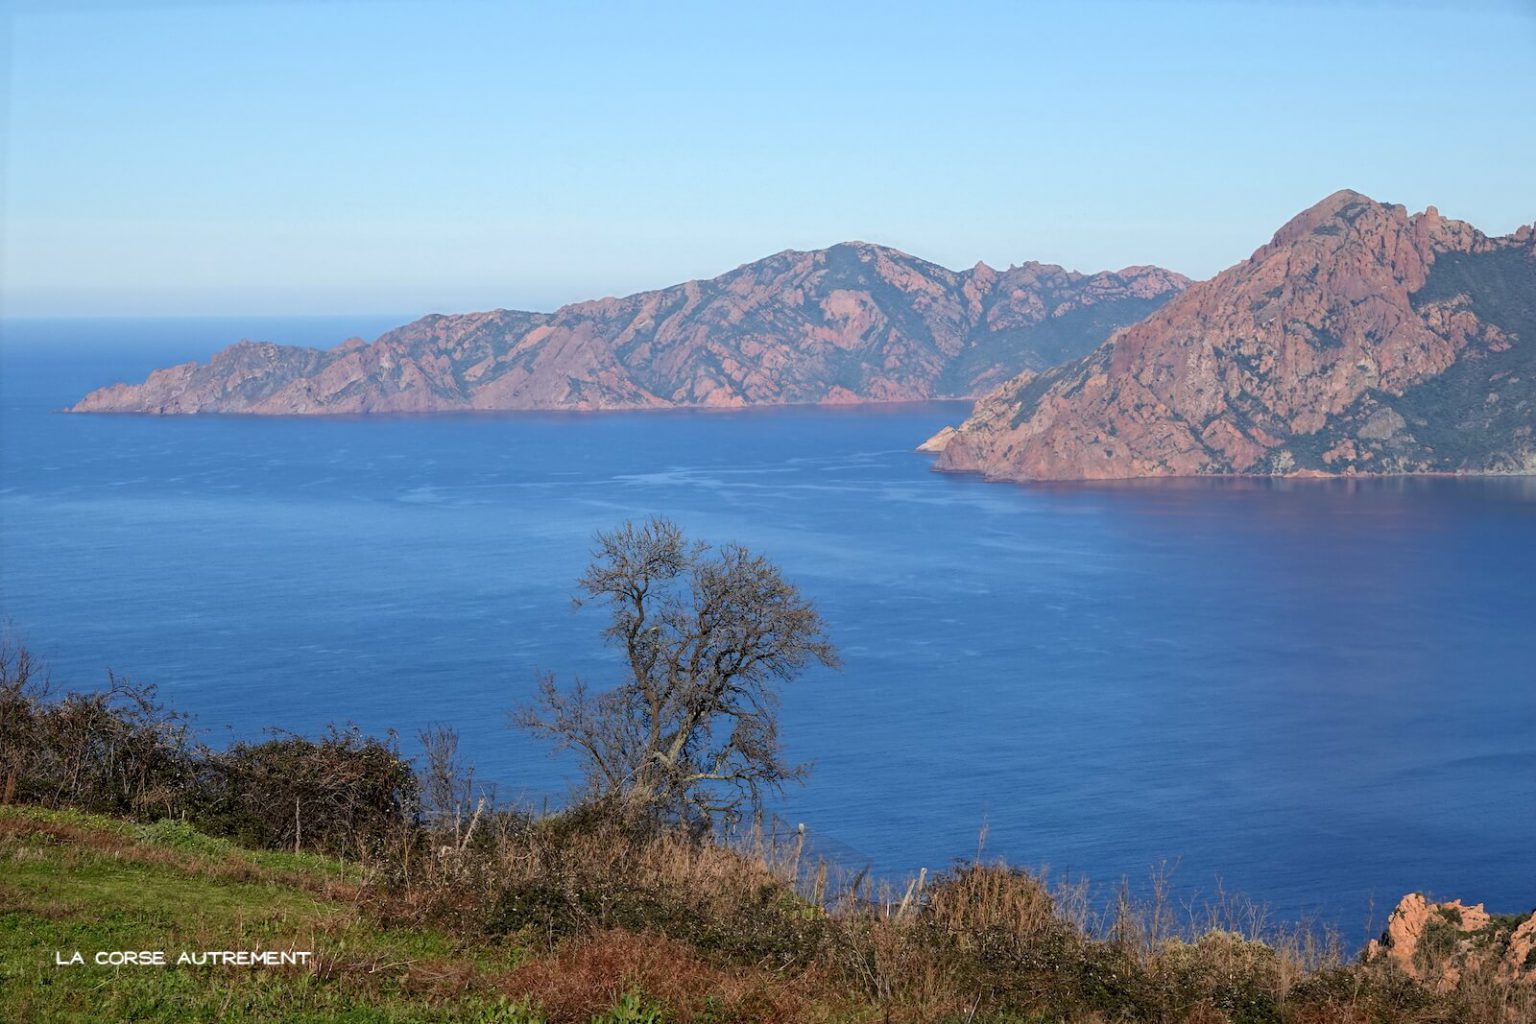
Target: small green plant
x=508, y=1011
x=1437, y=943
x=630, y=1009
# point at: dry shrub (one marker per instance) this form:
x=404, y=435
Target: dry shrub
x=116, y=751
x=343, y=793
x=995, y=910
x=121, y=751
x=980, y=940
x=1219, y=973
x=1483, y=996
x=892, y=963
x=554, y=880
x=1374, y=993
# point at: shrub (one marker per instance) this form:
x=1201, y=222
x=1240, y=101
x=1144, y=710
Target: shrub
x=585, y=871
x=345, y=793
x=118, y=751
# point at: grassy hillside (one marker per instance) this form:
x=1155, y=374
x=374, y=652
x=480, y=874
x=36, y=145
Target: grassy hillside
x=989, y=945
x=71, y=881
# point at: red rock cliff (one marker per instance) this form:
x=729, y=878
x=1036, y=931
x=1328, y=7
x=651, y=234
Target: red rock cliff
x=1359, y=340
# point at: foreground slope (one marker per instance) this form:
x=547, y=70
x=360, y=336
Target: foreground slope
x=982, y=944
x=73, y=883
x=1359, y=340
x=852, y=323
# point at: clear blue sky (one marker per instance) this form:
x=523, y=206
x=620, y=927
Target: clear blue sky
x=205, y=157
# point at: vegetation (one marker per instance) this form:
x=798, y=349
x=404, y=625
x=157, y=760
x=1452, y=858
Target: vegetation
x=121, y=752
x=73, y=881
x=1476, y=415
x=691, y=734
x=447, y=908
x=569, y=919
x=421, y=899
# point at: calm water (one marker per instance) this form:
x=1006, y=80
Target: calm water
x=1321, y=694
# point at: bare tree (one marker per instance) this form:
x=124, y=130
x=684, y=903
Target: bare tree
x=451, y=803
x=707, y=637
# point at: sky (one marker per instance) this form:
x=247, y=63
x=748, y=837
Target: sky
x=198, y=158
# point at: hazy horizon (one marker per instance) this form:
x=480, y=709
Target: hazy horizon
x=261, y=159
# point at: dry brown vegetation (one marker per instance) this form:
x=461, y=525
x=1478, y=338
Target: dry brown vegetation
x=752, y=930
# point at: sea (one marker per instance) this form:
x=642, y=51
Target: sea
x=1318, y=694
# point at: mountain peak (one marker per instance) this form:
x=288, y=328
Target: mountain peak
x=1339, y=204
x=1344, y=205
x=863, y=248
x=1342, y=198
x=1359, y=340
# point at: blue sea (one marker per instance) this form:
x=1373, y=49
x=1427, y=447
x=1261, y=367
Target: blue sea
x=1320, y=694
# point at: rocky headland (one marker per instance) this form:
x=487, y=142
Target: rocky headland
x=1440, y=943
x=1360, y=340
x=848, y=324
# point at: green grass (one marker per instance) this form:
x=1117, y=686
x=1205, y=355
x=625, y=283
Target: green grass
x=72, y=881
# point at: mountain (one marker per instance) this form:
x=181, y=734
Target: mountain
x=1359, y=340
x=852, y=323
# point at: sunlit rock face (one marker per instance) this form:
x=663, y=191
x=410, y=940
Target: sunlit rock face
x=1438, y=943
x=853, y=323
x=1360, y=340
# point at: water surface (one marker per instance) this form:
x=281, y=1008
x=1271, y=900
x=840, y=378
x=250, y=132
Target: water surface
x=1319, y=693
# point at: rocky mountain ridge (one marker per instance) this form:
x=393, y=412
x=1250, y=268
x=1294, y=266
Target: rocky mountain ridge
x=852, y=323
x=1359, y=340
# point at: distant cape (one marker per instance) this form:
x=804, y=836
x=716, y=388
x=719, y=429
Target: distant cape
x=849, y=324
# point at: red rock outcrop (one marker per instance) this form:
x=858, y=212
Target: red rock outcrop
x=1438, y=943
x=853, y=323
x=1359, y=340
